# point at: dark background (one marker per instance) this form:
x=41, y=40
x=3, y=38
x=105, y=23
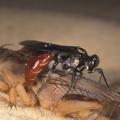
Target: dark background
x=91, y=24
x=103, y=9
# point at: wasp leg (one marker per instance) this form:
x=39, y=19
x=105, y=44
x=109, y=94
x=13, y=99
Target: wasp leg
x=100, y=71
x=48, y=75
x=43, y=84
x=73, y=83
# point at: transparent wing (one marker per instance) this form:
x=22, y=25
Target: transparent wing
x=57, y=87
x=85, y=90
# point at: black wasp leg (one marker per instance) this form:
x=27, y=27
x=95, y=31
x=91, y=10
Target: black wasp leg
x=72, y=84
x=51, y=71
x=43, y=84
x=100, y=71
x=57, y=61
x=48, y=75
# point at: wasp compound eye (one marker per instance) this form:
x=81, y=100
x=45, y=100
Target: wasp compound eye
x=93, y=62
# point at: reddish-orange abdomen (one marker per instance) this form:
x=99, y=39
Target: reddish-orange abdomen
x=36, y=65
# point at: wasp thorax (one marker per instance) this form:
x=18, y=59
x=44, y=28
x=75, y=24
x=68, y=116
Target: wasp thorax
x=75, y=63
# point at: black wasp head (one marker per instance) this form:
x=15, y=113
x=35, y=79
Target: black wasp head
x=92, y=63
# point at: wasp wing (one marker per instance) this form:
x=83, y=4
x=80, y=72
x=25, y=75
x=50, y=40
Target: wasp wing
x=39, y=47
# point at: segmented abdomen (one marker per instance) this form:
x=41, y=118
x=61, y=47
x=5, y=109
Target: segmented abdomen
x=35, y=65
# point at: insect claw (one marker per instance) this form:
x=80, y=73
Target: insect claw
x=11, y=105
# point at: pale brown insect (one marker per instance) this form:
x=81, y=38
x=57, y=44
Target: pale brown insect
x=90, y=100
x=12, y=77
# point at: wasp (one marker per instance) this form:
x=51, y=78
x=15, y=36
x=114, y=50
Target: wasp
x=73, y=59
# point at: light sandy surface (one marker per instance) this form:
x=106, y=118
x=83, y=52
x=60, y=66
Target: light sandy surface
x=24, y=113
